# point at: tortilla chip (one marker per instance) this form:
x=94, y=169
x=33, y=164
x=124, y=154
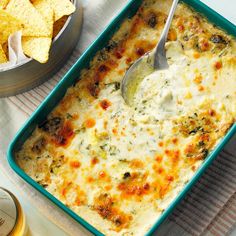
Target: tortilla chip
x=3, y=58
x=8, y=26
x=37, y=48
x=31, y=44
x=45, y=9
x=58, y=25
x=34, y=23
x=3, y=3
x=5, y=49
x=62, y=8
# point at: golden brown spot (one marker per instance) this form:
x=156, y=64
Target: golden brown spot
x=198, y=150
x=78, y=202
x=104, y=104
x=142, y=46
x=198, y=79
x=128, y=60
x=63, y=192
x=136, y=24
x=161, y=144
x=205, y=137
x=175, y=140
x=173, y=154
x=66, y=102
x=163, y=190
x=136, y=164
x=169, y=178
x=81, y=197
x=181, y=28
x=106, y=207
x=201, y=88
x=140, y=51
x=75, y=164
x=108, y=187
x=93, y=88
x=135, y=185
x=204, y=45
x=158, y=158
x=121, y=72
x=167, y=152
x=103, y=68
x=172, y=35
x=212, y=112
x=160, y=170
x=105, y=123
x=193, y=168
x=65, y=188
x=115, y=131
x=90, y=123
x=102, y=174
x=218, y=65
x=146, y=186
x=196, y=55
x=75, y=116
x=90, y=179
x=65, y=135
x=119, y=52
x=94, y=161
x=154, y=167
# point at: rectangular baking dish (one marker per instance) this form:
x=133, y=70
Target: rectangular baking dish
x=71, y=77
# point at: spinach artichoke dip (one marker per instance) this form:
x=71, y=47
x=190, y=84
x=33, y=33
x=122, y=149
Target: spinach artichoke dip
x=119, y=167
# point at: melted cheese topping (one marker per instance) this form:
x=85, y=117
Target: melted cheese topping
x=119, y=167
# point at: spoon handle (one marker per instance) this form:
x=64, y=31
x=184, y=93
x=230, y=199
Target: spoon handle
x=160, y=61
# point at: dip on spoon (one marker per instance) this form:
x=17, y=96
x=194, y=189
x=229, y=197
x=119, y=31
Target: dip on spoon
x=145, y=65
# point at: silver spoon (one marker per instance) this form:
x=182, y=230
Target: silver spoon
x=145, y=65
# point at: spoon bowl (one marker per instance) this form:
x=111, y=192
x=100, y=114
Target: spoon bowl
x=145, y=65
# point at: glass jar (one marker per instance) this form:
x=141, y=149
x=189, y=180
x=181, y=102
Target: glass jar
x=12, y=218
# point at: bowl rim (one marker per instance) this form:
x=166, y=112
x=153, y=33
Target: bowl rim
x=28, y=59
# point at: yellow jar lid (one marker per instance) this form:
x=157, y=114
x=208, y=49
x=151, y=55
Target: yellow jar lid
x=8, y=213
x=12, y=217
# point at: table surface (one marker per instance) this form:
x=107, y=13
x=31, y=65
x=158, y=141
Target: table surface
x=39, y=225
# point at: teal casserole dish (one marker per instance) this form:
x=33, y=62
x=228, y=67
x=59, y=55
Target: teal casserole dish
x=71, y=77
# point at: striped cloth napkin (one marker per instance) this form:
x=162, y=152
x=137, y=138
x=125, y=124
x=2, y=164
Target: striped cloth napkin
x=208, y=209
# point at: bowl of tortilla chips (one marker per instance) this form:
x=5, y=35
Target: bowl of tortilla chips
x=43, y=32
